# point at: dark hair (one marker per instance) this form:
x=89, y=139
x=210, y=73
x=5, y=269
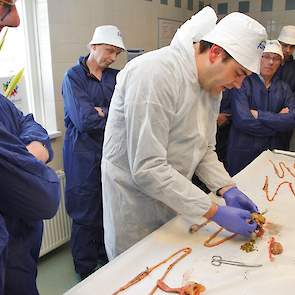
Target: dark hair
x=205, y=45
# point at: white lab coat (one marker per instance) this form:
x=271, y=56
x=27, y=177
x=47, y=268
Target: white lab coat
x=160, y=131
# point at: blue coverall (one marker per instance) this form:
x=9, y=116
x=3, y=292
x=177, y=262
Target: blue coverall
x=3, y=252
x=222, y=133
x=82, y=153
x=29, y=193
x=287, y=73
x=249, y=136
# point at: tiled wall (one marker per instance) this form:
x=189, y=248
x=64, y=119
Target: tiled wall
x=272, y=20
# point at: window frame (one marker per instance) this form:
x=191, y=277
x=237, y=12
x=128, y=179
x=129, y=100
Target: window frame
x=39, y=82
x=201, y=5
x=265, y=4
x=244, y=3
x=289, y=5
x=190, y=4
x=221, y=6
x=177, y=3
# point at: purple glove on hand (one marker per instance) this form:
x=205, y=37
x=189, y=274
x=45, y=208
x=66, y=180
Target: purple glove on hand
x=235, y=198
x=234, y=220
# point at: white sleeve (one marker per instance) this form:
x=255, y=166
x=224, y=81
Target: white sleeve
x=149, y=110
x=210, y=170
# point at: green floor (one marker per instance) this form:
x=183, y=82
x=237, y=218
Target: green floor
x=56, y=272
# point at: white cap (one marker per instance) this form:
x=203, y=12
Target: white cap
x=274, y=46
x=242, y=37
x=200, y=24
x=108, y=34
x=287, y=35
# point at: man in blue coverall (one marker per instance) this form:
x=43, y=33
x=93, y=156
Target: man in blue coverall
x=29, y=189
x=287, y=70
x=87, y=90
x=223, y=127
x=263, y=111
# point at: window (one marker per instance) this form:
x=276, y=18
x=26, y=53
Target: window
x=35, y=92
x=190, y=4
x=201, y=5
x=266, y=5
x=244, y=6
x=222, y=8
x=177, y=3
x=165, y=2
x=12, y=60
x=290, y=4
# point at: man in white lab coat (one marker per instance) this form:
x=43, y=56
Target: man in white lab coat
x=161, y=130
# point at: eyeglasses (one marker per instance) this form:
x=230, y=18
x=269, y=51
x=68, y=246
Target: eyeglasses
x=275, y=59
x=5, y=8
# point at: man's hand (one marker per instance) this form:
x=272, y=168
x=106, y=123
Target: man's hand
x=212, y=211
x=234, y=220
x=223, y=119
x=235, y=198
x=39, y=151
x=222, y=190
x=100, y=111
x=254, y=113
x=284, y=111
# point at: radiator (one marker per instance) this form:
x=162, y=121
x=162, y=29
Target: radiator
x=57, y=230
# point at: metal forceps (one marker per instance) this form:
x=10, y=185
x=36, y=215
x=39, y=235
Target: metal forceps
x=217, y=261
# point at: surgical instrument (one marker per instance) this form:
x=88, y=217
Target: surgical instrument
x=217, y=261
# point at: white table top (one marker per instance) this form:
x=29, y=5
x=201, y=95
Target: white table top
x=276, y=277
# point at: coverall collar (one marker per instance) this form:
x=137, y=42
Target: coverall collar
x=83, y=63
x=273, y=79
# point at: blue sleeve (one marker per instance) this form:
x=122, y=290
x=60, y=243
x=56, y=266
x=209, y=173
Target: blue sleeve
x=29, y=189
x=280, y=122
x=225, y=102
x=78, y=105
x=3, y=252
x=242, y=118
x=112, y=78
x=105, y=111
x=28, y=129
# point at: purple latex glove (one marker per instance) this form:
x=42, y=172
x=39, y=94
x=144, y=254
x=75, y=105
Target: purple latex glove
x=235, y=198
x=234, y=220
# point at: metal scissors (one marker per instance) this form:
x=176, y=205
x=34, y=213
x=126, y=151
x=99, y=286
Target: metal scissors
x=217, y=261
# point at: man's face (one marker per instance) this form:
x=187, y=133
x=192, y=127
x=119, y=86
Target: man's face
x=8, y=14
x=223, y=73
x=270, y=63
x=288, y=50
x=105, y=54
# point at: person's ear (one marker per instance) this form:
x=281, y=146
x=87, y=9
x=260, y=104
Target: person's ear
x=93, y=47
x=215, y=52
